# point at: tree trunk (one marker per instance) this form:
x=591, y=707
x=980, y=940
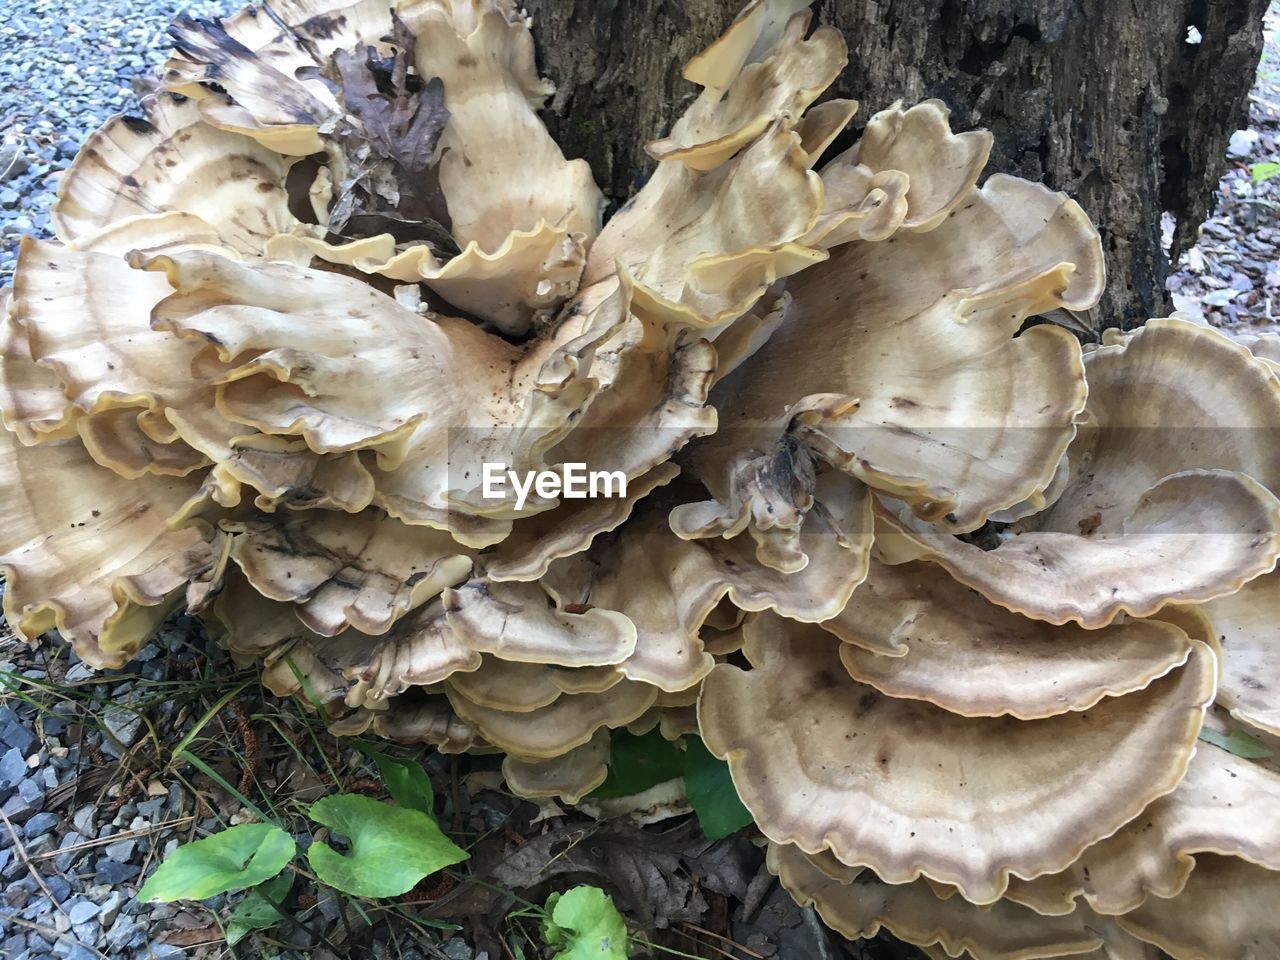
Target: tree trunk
x=1104, y=100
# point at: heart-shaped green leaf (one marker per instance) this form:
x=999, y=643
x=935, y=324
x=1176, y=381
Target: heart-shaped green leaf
x=711, y=792
x=260, y=909
x=584, y=924
x=232, y=859
x=392, y=848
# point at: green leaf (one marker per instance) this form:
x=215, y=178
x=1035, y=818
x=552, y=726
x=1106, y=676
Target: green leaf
x=259, y=909
x=392, y=848
x=583, y=924
x=1239, y=743
x=711, y=792
x=1267, y=170
x=232, y=859
x=406, y=781
x=638, y=763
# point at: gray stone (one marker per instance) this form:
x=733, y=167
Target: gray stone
x=151, y=808
x=30, y=791
x=18, y=810
x=457, y=949
x=87, y=932
x=58, y=887
x=110, y=908
x=81, y=911
x=84, y=819
x=1242, y=144
x=109, y=871
x=120, y=851
x=329, y=906
x=121, y=726
x=41, y=823
x=63, y=861
x=13, y=768
x=15, y=734
x=73, y=951
x=162, y=951
x=79, y=672
x=124, y=933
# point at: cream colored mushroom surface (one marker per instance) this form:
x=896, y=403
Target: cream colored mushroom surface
x=909, y=789
x=950, y=593
x=1171, y=496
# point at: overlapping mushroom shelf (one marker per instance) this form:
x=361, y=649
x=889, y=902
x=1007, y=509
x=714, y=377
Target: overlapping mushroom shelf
x=958, y=600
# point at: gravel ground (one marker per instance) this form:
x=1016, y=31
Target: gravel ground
x=65, y=67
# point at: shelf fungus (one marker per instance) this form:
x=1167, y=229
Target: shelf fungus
x=982, y=621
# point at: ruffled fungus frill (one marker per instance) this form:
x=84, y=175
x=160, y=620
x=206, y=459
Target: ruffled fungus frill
x=951, y=594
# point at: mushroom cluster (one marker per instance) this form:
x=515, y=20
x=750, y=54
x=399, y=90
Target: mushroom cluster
x=955, y=598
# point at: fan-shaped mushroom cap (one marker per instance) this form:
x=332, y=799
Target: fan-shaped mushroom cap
x=860, y=906
x=1227, y=911
x=821, y=124
x=483, y=53
x=1248, y=622
x=557, y=728
x=940, y=166
x=32, y=402
x=529, y=275
x=708, y=245
x=264, y=93
x=919, y=330
x=787, y=81
x=90, y=554
x=170, y=160
x=347, y=570
x=668, y=587
x=570, y=776
x=280, y=383
x=907, y=789
x=515, y=687
x=1170, y=499
x=568, y=529
x=746, y=40
x=427, y=720
x=515, y=621
x=154, y=233
x=1224, y=805
x=421, y=649
x=912, y=631
x=87, y=318
x=1264, y=346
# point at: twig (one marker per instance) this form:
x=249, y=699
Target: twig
x=723, y=939
x=21, y=851
x=100, y=841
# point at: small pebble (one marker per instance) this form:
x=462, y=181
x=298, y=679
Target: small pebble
x=41, y=823
x=81, y=911
x=13, y=768
x=109, y=871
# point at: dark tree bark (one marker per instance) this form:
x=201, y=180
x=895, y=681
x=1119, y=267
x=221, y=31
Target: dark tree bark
x=1101, y=98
